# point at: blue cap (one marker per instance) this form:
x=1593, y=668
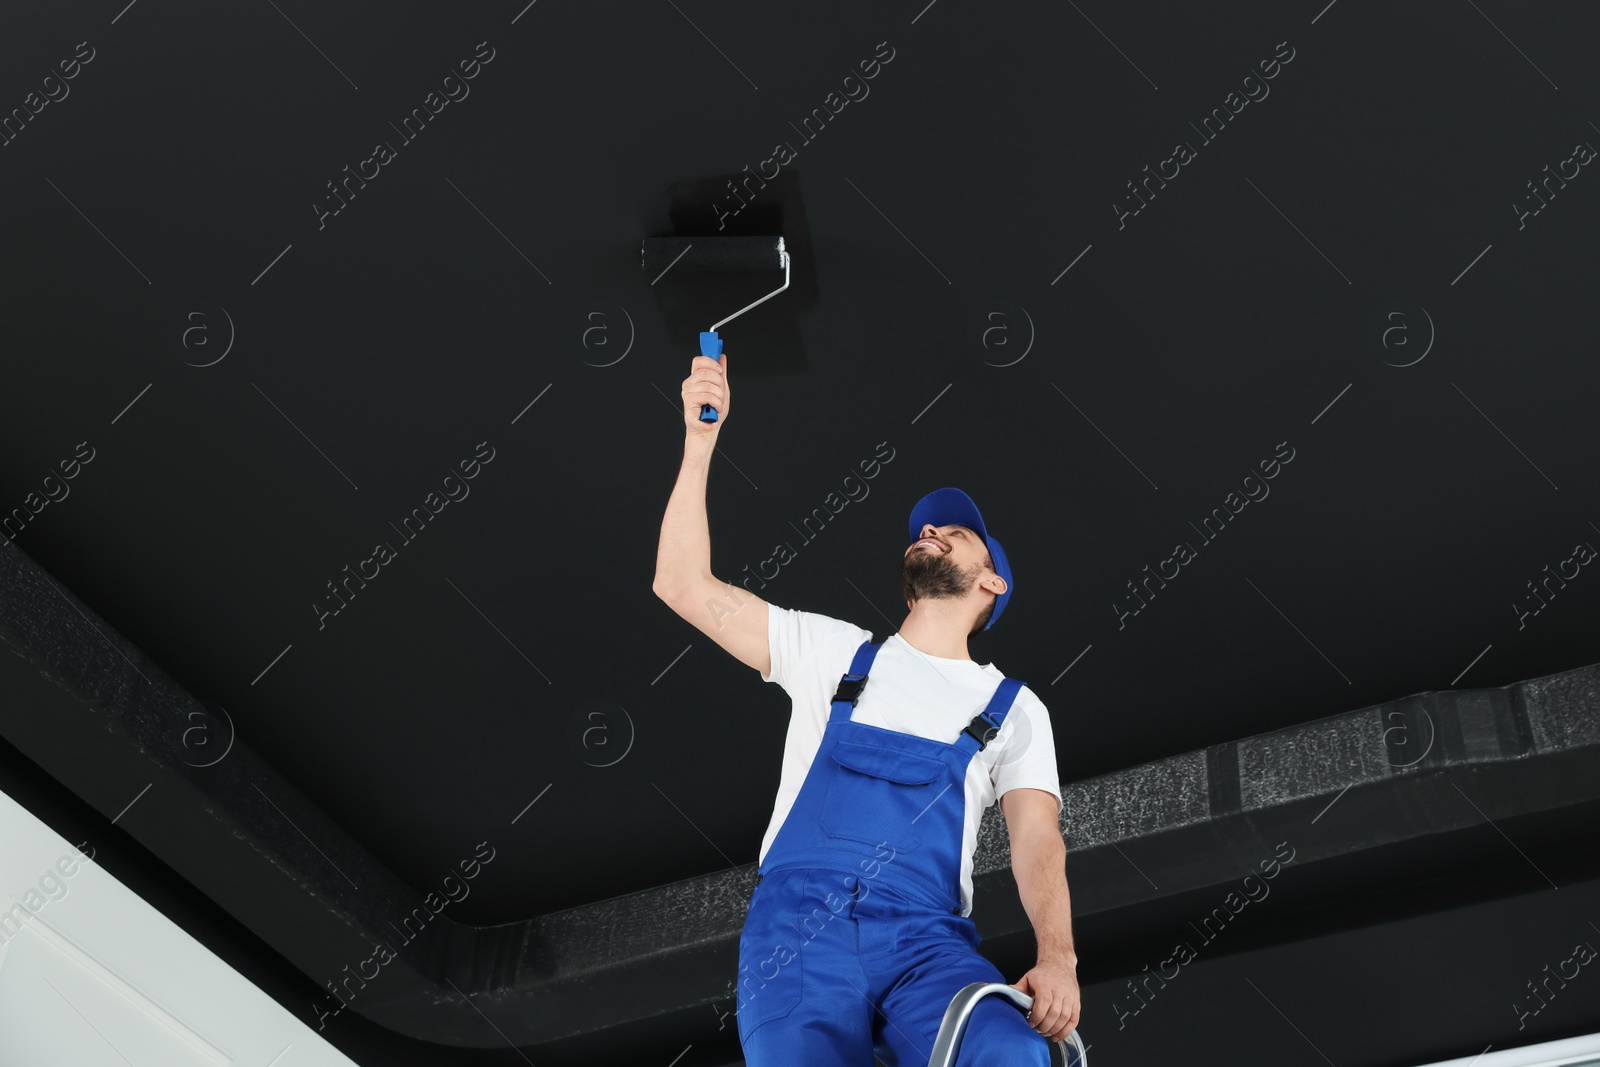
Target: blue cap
x=952, y=507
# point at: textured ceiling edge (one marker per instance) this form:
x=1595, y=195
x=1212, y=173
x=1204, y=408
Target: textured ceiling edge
x=100, y=717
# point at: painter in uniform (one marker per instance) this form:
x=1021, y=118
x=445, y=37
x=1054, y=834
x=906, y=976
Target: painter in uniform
x=858, y=932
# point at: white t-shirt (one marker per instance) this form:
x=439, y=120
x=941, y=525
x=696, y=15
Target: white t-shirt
x=911, y=692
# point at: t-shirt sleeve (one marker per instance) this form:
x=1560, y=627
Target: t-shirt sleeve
x=1031, y=763
x=810, y=651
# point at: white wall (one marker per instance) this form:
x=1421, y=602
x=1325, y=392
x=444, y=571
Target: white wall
x=92, y=976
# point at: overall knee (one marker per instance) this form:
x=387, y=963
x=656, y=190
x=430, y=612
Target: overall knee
x=997, y=1035
x=1006, y=1049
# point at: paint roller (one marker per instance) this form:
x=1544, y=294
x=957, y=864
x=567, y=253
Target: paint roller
x=705, y=254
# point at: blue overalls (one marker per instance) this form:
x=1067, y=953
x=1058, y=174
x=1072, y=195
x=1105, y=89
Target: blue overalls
x=855, y=936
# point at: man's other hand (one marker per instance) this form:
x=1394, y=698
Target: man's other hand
x=1056, y=999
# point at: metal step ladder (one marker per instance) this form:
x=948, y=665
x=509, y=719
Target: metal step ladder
x=1067, y=1053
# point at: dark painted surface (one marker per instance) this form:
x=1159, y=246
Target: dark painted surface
x=373, y=350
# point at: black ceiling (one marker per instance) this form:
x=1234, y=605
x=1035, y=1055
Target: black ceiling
x=1340, y=274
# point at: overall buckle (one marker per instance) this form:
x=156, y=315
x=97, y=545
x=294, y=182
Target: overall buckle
x=982, y=730
x=850, y=687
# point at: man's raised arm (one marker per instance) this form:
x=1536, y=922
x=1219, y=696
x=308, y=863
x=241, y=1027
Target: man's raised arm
x=732, y=617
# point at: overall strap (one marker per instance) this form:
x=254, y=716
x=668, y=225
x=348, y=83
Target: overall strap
x=985, y=726
x=854, y=680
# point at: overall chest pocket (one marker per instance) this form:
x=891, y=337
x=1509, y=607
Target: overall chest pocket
x=880, y=796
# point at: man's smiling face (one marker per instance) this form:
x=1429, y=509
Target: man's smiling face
x=946, y=561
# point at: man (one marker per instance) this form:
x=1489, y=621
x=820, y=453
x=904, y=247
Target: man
x=858, y=934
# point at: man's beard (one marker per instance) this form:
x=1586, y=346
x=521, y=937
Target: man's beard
x=931, y=575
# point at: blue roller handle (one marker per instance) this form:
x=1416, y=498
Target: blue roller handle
x=710, y=345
